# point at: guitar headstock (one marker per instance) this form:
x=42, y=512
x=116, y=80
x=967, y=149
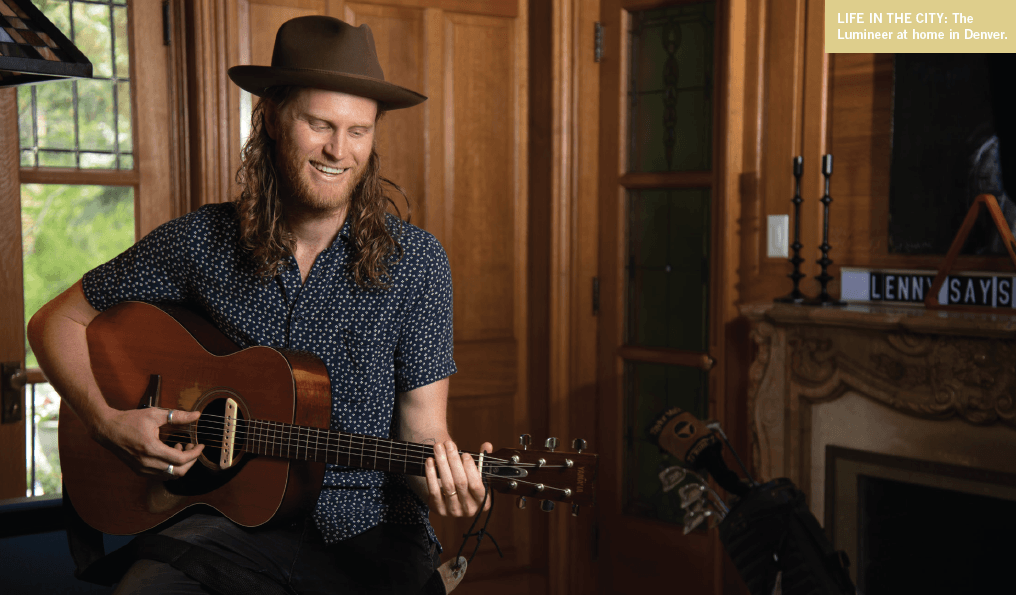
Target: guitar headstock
x=545, y=474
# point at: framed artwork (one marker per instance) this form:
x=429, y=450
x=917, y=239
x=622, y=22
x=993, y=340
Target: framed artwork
x=945, y=152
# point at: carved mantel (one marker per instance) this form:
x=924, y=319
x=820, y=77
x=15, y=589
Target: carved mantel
x=882, y=378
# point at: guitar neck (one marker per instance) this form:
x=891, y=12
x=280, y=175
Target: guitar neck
x=288, y=441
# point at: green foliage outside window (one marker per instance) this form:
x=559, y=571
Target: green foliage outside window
x=66, y=231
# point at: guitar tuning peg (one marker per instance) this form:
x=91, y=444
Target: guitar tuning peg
x=551, y=443
x=524, y=441
x=547, y=505
x=579, y=444
x=575, y=510
x=521, y=502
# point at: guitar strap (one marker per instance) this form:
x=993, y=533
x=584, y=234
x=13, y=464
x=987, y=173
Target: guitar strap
x=213, y=571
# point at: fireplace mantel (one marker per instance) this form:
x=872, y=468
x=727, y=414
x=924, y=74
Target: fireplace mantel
x=926, y=384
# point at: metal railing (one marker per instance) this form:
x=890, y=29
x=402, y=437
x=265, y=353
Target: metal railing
x=43, y=406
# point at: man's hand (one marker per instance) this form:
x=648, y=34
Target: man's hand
x=57, y=335
x=454, y=483
x=133, y=436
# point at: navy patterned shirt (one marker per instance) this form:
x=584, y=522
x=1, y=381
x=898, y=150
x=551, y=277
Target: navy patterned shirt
x=373, y=343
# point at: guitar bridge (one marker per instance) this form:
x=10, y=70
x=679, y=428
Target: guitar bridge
x=228, y=435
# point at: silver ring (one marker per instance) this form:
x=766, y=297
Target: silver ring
x=169, y=470
x=169, y=420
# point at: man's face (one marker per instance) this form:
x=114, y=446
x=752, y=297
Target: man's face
x=324, y=140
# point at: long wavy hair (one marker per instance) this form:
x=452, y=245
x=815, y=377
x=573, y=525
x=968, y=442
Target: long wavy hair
x=263, y=230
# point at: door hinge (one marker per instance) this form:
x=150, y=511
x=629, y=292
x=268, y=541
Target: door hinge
x=596, y=296
x=12, y=400
x=166, y=37
x=597, y=41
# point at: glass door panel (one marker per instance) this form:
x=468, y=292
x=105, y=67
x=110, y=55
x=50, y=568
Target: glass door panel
x=668, y=269
x=669, y=146
x=651, y=389
x=670, y=88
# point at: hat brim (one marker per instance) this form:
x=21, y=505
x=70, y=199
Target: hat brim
x=257, y=79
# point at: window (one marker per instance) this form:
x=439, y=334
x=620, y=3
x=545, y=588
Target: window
x=79, y=185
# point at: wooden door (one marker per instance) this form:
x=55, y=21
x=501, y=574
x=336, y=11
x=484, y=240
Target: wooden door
x=663, y=240
x=461, y=157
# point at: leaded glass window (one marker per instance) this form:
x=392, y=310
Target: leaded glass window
x=83, y=124
x=668, y=222
x=670, y=88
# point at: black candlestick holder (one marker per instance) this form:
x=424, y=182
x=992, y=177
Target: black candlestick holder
x=795, y=296
x=824, y=299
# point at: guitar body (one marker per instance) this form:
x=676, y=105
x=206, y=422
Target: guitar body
x=143, y=356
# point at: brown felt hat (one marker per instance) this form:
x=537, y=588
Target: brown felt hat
x=325, y=53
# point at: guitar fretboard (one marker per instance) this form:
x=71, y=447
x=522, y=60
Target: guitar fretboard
x=288, y=441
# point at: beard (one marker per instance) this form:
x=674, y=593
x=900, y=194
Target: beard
x=296, y=187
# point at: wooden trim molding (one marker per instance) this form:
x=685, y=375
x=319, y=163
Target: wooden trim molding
x=214, y=102
x=54, y=175
x=672, y=357
x=684, y=179
x=12, y=309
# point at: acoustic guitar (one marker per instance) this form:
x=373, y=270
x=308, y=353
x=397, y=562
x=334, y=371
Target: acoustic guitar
x=264, y=422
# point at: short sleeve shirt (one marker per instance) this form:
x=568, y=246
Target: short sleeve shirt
x=374, y=343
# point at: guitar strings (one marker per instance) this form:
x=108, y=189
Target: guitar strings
x=269, y=436
x=342, y=444
x=209, y=422
x=277, y=437
x=354, y=449
x=364, y=455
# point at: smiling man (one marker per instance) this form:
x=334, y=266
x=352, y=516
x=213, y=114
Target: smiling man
x=307, y=258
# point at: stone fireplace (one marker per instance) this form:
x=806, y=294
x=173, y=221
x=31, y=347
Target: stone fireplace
x=898, y=394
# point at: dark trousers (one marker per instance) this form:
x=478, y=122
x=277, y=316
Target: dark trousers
x=395, y=559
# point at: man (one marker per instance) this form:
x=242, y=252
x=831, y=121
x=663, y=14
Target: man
x=305, y=258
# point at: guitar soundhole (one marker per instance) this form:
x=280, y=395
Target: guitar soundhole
x=208, y=476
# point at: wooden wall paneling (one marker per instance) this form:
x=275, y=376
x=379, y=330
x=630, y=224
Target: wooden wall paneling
x=12, y=308
x=571, y=259
x=214, y=101
x=861, y=145
x=733, y=39
x=575, y=263
x=179, y=118
x=497, y=8
x=541, y=151
x=559, y=261
x=750, y=183
x=437, y=190
x=484, y=93
x=154, y=134
x=781, y=141
x=814, y=133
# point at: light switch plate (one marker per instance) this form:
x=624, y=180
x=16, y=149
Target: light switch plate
x=778, y=238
